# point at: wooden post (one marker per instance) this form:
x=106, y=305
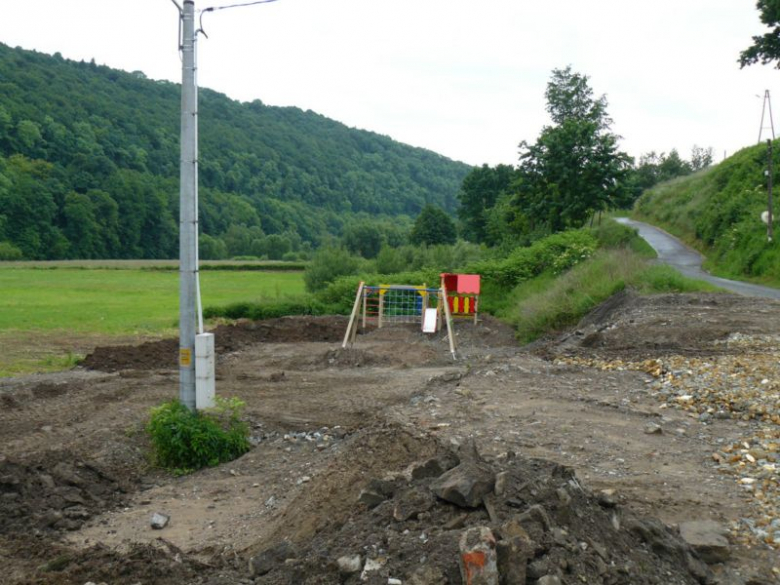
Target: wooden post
x=381, y=309
x=448, y=318
x=353, y=318
x=365, y=306
x=423, y=303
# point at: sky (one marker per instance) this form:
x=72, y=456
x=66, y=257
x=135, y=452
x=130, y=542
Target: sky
x=463, y=78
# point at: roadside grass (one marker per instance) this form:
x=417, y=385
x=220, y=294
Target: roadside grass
x=546, y=304
x=613, y=235
x=48, y=318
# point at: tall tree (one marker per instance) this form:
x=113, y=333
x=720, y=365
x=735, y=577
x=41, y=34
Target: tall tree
x=569, y=97
x=701, y=157
x=765, y=48
x=479, y=193
x=433, y=226
x=575, y=167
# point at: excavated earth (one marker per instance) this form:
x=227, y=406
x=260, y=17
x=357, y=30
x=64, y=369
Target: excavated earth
x=602, y=447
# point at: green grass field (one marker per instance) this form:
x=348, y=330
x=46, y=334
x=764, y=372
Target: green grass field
x=41, y=310
x=122, y=302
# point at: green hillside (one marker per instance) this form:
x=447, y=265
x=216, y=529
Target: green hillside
x=718, y=211
x=89, y=167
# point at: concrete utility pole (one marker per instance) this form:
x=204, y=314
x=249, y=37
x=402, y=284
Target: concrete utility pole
x=188, y=212
x=769, y=230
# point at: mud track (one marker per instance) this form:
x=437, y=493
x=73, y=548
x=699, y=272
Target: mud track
x=77, y=491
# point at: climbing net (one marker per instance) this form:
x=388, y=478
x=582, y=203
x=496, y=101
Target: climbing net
x=393, y=304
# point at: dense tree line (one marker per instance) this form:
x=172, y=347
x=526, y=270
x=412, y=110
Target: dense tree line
x=573, y=171
x=89, y=168
x=653, y=168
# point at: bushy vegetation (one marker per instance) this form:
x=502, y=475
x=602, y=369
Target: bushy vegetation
x=184, y=441
x=539, y=265
x=440, y=257
x=611, y=234
x=555, y=254
x=89, y=161
x=270, y=309
x=327, y=265
x=339, y=296
x=718, y=211
x=10, y=252
x=433, y=227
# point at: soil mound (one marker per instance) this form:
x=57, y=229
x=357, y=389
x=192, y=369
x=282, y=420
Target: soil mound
x=161, y=564
x=542, y=520
x=628, y=325
x=163, y=354
x=55, y=494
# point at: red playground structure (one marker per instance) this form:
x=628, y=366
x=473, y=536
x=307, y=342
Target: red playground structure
x=462, y=292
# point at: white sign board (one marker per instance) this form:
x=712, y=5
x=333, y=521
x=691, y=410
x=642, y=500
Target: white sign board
x=429, y=321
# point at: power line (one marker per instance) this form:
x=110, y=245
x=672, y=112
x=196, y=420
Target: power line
x=215, y=8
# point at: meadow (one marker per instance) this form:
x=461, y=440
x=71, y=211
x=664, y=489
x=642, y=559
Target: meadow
x=50, y=317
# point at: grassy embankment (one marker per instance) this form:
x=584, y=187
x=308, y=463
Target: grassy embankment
x=49, y=317
x=718, y=212
x=554, y=299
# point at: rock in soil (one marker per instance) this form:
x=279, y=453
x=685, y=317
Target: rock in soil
x=468, y=483
x=708, y=539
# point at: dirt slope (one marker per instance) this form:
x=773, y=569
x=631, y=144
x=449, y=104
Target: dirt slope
x=579, y=427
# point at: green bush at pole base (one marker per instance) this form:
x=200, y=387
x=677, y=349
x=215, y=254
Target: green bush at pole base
x=184, y=441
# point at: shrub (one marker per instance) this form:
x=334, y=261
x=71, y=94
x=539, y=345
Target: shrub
x=211, y=248
x=266, y=310
x=442, y=258
x=10, y=252
x=611, y=234
x=184, y=441
x=327, y=265
x=339, y=296
x=555, y=253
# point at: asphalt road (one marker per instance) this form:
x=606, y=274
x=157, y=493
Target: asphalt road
x=688, y=261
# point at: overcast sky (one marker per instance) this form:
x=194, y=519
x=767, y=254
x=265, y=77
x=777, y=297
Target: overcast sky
x=463, y=78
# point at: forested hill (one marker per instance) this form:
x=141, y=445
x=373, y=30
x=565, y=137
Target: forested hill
x=89, y=166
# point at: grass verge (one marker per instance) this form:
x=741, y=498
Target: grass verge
x=546, y=303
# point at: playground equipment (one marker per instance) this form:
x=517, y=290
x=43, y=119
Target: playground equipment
x=462, y=294
x=432, y=308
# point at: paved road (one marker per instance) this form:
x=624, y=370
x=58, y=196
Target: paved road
x=688, y=261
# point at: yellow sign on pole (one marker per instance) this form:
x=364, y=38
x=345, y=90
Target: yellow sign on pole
x=185, y=356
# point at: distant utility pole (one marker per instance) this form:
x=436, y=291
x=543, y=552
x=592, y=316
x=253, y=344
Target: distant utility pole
x=770, y=218
x=188, y=211
x=767, y=106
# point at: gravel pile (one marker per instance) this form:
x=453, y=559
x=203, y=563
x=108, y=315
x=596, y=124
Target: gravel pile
x=742, y=385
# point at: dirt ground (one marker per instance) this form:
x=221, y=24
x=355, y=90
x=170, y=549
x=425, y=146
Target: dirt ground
x=593, y=471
